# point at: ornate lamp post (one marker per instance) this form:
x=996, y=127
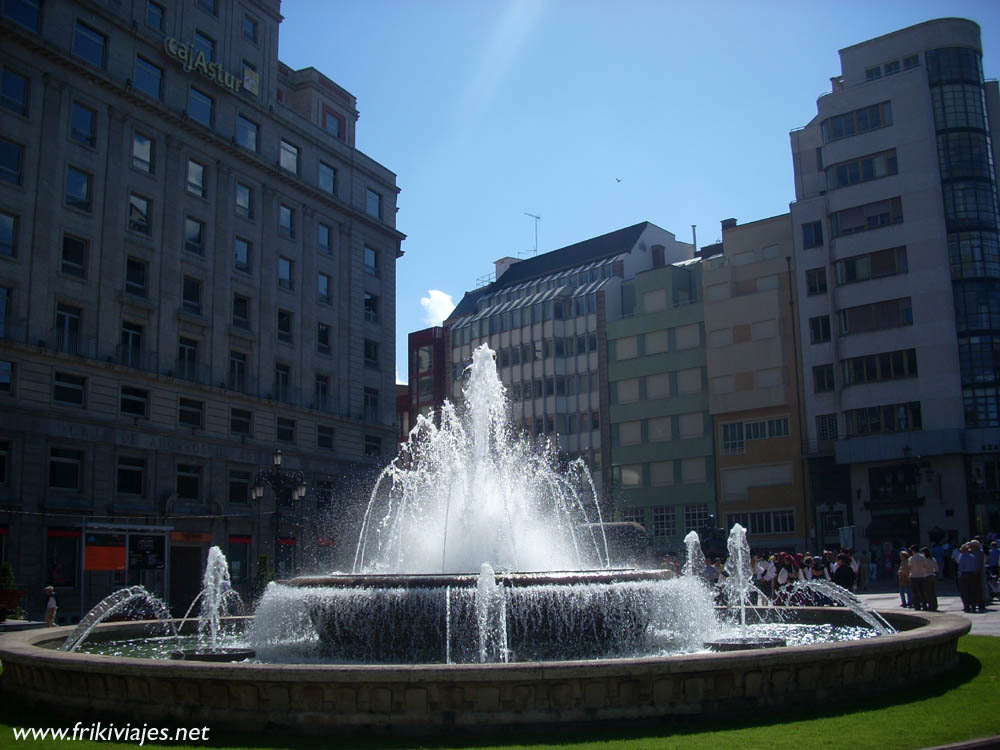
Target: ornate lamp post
x=287, y=486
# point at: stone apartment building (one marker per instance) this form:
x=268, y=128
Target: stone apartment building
x=546, y=317
x=895, y=227
x=197, y=266
x=663, y=467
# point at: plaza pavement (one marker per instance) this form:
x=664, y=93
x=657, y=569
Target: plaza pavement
x=884, y=595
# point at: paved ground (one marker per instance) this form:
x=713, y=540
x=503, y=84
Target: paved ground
x=883, y=595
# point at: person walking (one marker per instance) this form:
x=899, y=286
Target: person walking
x=51, y=606
x=982, y=593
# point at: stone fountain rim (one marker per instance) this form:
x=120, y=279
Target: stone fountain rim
x=515, y=579
x=921, y=629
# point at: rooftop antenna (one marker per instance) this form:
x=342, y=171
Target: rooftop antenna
x=537, y=219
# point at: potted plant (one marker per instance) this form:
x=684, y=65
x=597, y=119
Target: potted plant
x=10, y=595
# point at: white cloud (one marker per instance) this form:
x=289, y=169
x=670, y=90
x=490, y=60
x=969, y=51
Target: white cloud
x=399, y=380
x=437, y=306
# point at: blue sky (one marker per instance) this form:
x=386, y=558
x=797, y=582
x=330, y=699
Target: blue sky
x=591, y=114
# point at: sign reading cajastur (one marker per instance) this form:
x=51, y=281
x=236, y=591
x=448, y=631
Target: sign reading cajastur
x=193, y=59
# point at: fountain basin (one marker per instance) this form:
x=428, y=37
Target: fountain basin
x=327, y=699
x=561, y=615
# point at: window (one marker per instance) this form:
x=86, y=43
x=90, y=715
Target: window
x=322, y=338
x=77, y=189
x=239, y=488
x=872, y=265
x=891, y=68
x=323, y=290
x=24, y=12
x=187, y=359
x=664, y=521
x=373, y=203
x=65, y=469
x=251, y=79
x=89, y=44
x=867, y=217
x=5, y=308
x=371, y=404
x=191, y=295
x=10, y=161
x=14, y=92
x=732, y=439
x=816, y=281
x=69, y=389
x=864, y=169
x=324, y=437
x=286, y=220
x=911, y=61
x=324, y=238
x=238, y=371
x=205, y=45
x=138, y=214
x=191, y=413
x=134, y=401
x=332, y=123
x=823, y=379
x=282, y=381
x=819, y=329
x=285, y=268
x=877, y=316
x=371, y=261
x=194, y=234
x=83, y=125
x=207, y=5
x=285, y=326
x=246, y=133
x=241, y=254
x=154, y=15
x=148, y=78
x=250, y=29
x=285, y=429
x=373, y=446
x=200, y=107
x=6, y=380
x=241, y=312
x=630, y=475
x=240, y=422
x=8, y=235
x=879, y=419
x=244, y=200
x=873, y=74
x=371, y=307
x=371, y=353
x=188, y=481
x=289, y=157
x=130, y=348
x=321, y=391
x=68, y=324
x=131, y=476
x=327, y=178
x=875, y=368
x=858, y=121
x=196, y=178
x=695, y=517
x=142, y=152
x=74, y=256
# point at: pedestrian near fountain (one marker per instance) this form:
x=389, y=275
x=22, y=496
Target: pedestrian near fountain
x=903, y=575
x=844, y=575
x=982, y=593
x=968, y=581
x=993, y=558
x=864, y=571
x=923, y=579
x=51, y=606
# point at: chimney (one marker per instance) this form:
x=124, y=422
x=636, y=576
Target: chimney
x=728, y=224
x=503, y=264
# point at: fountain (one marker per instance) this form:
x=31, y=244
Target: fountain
x=481, y=595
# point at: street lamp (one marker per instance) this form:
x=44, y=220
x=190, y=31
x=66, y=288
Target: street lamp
x=287, y=486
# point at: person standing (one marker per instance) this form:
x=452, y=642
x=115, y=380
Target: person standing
x=903, y=574
x=923, y=580
x=967, y=580
x=982, y=593
x=51, y=606
x=993, y=558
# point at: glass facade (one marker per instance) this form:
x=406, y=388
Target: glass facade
x=968, y=184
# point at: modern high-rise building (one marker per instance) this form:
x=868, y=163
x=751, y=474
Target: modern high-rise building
x=754, y=384
x=663, y=463
x=197, y=267
x=897, y=261
x=546, y=318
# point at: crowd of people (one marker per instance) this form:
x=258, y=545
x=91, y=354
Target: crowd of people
x=974, y=565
